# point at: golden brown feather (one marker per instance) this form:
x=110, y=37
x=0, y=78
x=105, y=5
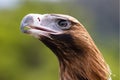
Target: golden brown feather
x=78, y=56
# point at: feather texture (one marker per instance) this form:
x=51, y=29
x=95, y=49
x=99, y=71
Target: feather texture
x=78, y=56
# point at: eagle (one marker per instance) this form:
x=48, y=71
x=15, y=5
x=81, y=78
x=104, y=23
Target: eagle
x=77, y=54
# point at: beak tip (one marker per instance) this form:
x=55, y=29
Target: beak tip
x=22, y=28
x=30, y=20
x=26, y=21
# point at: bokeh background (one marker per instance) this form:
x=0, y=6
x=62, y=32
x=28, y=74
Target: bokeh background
x=23, y=57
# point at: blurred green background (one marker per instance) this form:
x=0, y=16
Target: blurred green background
x=23, y=57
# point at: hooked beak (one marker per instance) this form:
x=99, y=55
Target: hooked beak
x=28, y=21
x=31, y=24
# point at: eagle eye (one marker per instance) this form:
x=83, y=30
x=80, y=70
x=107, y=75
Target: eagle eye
x=63, y=24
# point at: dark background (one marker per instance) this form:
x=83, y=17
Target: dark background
x=23, y=57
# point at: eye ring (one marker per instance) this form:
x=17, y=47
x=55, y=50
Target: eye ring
x=63, y=24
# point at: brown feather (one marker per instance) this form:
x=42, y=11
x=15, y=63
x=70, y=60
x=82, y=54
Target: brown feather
x=78, y=56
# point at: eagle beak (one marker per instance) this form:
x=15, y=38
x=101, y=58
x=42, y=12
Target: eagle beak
x=31, y=24
x=31, y=21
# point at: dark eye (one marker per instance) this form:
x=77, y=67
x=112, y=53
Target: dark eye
x=63, y=24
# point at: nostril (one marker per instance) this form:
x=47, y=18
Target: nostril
x=38, y=19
